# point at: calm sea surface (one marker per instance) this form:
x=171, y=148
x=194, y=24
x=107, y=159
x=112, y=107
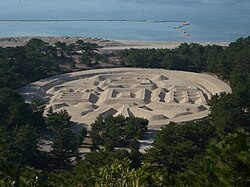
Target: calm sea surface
x=210, y=20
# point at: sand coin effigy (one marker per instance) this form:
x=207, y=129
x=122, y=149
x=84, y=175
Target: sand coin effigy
x=158, y=95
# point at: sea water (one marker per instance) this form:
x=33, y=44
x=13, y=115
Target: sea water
x=210, y=20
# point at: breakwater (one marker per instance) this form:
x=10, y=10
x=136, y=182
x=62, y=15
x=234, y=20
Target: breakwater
x=178, y=28
x=91, y=20
x=184, y=31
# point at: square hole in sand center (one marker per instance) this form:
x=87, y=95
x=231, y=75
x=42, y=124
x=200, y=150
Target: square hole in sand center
x=126, y=95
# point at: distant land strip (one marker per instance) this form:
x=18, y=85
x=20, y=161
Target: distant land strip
x=91, y=20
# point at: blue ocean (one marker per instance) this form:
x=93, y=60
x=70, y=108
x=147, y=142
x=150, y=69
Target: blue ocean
x=150, y=20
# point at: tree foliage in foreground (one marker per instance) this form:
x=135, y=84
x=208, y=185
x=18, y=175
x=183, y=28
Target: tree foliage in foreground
x=22, y=177
x=57, y=120
x=15, y=112
x=120, y=174
x=117, y=131
x=227, y=113
x=177, y=145
x=65, y=146
x=182, y=155
x=225, y=163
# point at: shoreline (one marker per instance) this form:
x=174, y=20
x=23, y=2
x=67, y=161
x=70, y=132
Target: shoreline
x=105, y=44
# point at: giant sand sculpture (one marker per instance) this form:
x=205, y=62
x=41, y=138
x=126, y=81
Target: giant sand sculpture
x=158, y=95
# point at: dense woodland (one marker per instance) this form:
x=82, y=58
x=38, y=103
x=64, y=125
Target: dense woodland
x=210, y=152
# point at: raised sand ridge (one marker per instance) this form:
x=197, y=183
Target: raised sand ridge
x=158, y=95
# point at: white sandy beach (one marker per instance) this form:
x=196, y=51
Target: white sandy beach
x=107, y=45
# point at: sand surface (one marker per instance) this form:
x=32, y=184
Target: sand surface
x=106, y=45
x=158, y=95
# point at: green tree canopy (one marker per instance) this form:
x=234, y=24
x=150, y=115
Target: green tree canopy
x=57, y=120
x=176, y=145
x=225, y=163
x=65, y=145
x=120, y=174
x=227, y=114
x=117, y=131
